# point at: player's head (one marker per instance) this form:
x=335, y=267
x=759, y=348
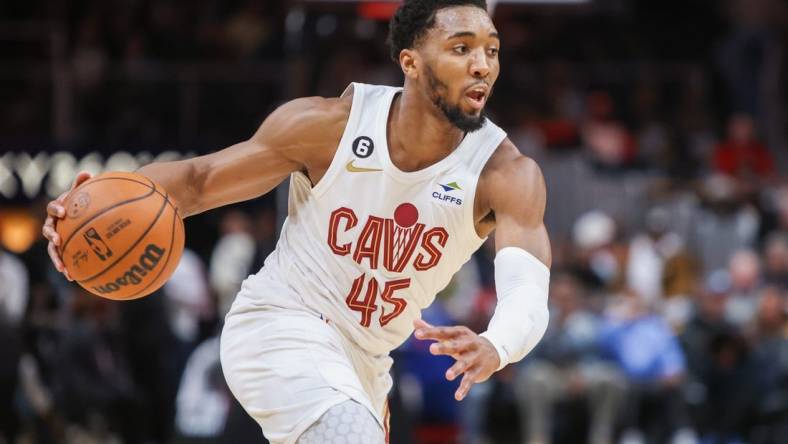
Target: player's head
x=449, y=49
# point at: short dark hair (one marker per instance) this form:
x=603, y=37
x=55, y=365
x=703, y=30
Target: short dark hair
x=415, y=17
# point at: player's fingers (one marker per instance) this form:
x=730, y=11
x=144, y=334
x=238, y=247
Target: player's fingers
x=48, y=231
x=438, y=333
x=452, y=347
x=55, y=209
x=55, y=257
x=443, y=348
x=465, y=386
x=81, y=177
x=457, y=369
x=420, y=323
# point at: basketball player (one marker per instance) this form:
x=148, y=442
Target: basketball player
x=391, y=191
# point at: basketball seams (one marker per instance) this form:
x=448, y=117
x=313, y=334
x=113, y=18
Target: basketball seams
x=102, y=212
x=151, y=184
x=169, y=254
x=166, y=196
x=136, y=242
x=102, y=179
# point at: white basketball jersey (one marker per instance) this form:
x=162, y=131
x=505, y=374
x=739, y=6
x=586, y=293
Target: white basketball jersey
x=370, y=245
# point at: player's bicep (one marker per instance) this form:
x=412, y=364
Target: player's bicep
x=253, y=167
x=519, y=208
x=535, y=240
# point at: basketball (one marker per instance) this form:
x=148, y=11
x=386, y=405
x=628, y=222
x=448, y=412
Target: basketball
x=121, y=237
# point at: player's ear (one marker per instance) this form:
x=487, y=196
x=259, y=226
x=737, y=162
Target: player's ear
x=409, y=61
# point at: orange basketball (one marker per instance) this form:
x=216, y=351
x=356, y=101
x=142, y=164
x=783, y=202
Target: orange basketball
x=121, y=237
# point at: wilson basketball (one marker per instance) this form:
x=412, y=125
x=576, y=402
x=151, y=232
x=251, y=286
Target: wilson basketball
x=121, y=237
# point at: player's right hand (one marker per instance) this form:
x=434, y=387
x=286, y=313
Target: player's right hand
x=56, y=211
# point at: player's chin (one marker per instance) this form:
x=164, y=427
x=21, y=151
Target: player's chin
x=474, y=114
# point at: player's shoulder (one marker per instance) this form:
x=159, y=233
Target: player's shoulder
x=507, y=165
x=307, y=121
x=510, y=179
x=317, y=110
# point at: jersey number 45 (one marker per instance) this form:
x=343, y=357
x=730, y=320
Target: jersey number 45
x=367, y=305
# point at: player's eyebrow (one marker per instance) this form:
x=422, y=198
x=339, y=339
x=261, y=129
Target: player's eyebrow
x=470, y=34
x=462, y=34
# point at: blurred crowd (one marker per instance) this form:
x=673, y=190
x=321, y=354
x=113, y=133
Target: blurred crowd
x=665, y=158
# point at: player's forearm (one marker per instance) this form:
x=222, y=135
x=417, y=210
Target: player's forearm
x=181, y=181
x=240, y=172
x=521, y=314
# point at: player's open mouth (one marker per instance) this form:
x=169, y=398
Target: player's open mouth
x=476, y=97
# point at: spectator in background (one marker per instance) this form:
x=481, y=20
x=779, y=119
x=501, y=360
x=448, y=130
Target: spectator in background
x=648, y=253
x=723, y=223
x=188, y=303
x=775, y=259
x=13, y=301
x=744, y=269
x=14, y=288
x=609, y=142
x=708, y=321
x=153, y=358
x=647, y=351
x=716, y=362
x=203, y=400
x=775, y=210
x=599, y=260
x=232, y=257
x=567, y=366
x=741, y=155
x=557, y=126
x=95, y=388
x=770, y=364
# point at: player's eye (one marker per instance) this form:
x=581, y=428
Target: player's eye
x=492, y=52
x=460, y=49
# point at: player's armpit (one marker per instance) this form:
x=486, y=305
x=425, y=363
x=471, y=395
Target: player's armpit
x=298, y=135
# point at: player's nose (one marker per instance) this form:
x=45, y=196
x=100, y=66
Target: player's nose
x=479, y=66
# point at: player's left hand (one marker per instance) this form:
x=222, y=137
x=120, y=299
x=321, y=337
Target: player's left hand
x=476, y=357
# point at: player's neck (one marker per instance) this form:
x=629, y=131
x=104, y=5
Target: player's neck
x=419, y=135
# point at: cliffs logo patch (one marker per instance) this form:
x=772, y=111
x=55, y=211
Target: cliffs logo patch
x=449, y=194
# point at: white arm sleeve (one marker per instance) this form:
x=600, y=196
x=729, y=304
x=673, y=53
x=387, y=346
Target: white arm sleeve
x=521, y=315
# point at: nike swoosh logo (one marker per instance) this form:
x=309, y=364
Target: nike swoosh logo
x=354, y=169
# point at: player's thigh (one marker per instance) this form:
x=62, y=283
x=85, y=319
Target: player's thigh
x=346, y=423
x=269, y=361
x=286, y=368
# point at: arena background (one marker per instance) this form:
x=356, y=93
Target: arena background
x=661, y=131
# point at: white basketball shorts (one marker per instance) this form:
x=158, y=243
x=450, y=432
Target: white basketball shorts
x=288, y=366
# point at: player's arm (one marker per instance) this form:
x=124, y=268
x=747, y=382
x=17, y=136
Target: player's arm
x=522, y=260
x=299, y=135
x=514, y=191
